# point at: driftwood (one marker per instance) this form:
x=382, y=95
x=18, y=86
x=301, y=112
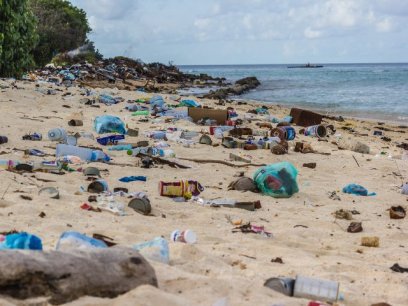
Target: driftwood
x=65, y=277
x=214, y=161
x=164, y=161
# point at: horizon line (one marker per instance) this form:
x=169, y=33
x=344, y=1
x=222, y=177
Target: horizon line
x=313, y=63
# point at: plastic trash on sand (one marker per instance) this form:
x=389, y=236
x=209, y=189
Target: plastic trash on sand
x=109, y=124
x=277, y=180
x=74, y=241
x=357, y=190
x=22, y=241
x=156, y=249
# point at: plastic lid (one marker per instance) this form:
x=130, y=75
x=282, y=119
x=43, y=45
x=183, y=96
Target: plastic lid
x=189, y=236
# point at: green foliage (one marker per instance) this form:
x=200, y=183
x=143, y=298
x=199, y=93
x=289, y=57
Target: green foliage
x=17, y=37
x=61, y=27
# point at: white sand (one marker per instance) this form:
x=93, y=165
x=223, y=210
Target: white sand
x=222, y=265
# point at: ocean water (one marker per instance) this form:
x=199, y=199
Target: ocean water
x=377, y=91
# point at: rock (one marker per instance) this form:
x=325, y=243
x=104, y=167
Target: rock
x=243, y=184
x=64, y=277
x=241, y=86
x=343, y=214
x=250, y=82
x=360, y=147
x=355, y=227
x=309, y=165
x=397, y=212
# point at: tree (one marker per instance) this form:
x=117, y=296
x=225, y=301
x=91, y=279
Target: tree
x=17, y=37
x=61, y=27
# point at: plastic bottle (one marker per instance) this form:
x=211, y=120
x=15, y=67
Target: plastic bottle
x=57, y=134
x=141, y=113
x=8, y=164
x=157, y=134
x=186, y=236
x=83, y=153
x=121, y=147
x=167, y=153
x=156, y=249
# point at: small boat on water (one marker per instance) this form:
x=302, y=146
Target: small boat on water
x=308, y=65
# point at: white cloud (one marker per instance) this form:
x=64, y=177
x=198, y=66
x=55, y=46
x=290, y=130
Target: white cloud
x=309, y=33
x=384, y=25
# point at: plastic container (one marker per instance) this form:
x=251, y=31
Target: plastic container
x=57, y=134
x=316, y=289
x=186, y=236
x=8, y=164
x=157, y=135
x=141, y=113
x=121, y=147
x=76, y=241
x=318, y=131
x=83, y=153
x=156, y=249
x=167, y=153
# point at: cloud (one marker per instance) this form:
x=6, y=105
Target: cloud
x=245, y=30
x=309, y=33
x=384, y=25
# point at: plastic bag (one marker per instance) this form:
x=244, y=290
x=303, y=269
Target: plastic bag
x=189, y=103
x=109, y=124
x=73, y=241
x=277, y=180
x=22, y=241
x=357, y=190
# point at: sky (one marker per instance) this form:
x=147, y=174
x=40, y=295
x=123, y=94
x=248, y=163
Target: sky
x=194, y=32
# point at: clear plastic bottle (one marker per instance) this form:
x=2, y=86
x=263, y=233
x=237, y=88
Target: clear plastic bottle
x=83, y=153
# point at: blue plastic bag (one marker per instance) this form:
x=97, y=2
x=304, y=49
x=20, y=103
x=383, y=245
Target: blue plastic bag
x=189, y=103
x=128, y=179
x=156, y=101
x=22, y=241
x=109, y=124
x=277, y=180
x=357, y=190
x=108, y=99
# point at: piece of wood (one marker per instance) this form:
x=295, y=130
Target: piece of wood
x=214, y=161
x=66, y=276
x=160, y=160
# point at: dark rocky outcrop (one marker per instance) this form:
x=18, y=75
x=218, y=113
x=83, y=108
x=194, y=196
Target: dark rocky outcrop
x=65, y=277
x=241, y=86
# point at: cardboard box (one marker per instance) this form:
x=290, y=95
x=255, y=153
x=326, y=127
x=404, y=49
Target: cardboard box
x=220, y=115
x=304, y=117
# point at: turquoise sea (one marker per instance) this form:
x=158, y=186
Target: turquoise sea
x=377, y=91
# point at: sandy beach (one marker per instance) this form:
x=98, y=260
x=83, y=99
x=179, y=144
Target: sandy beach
x=222, y=268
